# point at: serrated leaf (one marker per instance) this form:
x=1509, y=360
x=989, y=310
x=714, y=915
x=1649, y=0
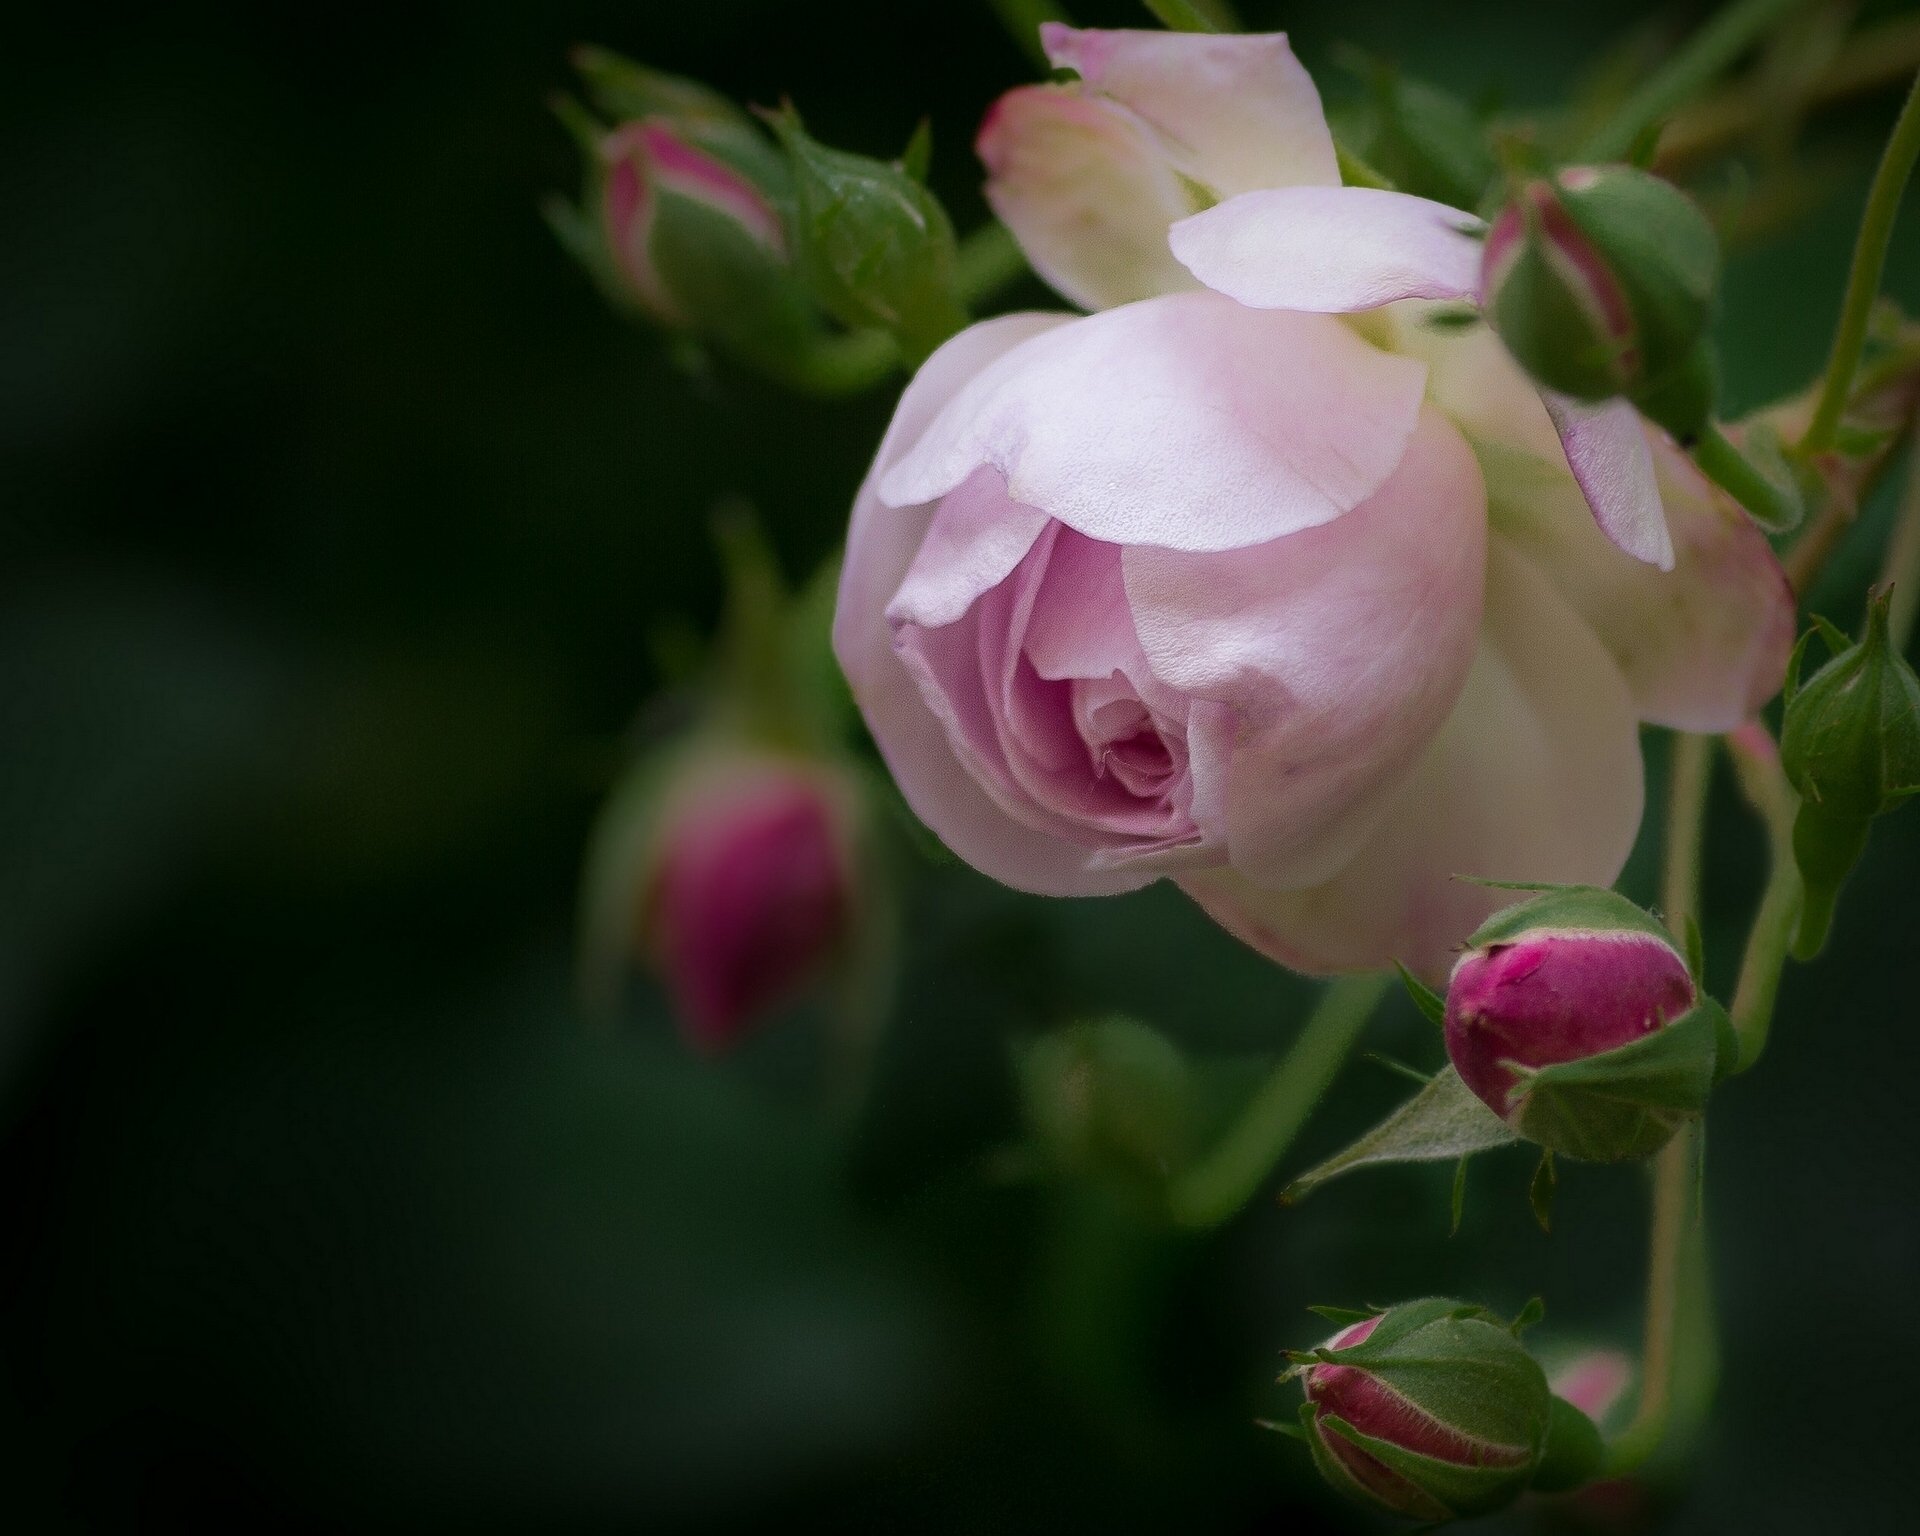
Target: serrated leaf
x=1441, y=1122
x=1428, y=1001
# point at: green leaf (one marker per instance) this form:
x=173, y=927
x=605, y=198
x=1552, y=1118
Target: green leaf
x=1441, y=1122
x=1568, y=906
x=1428, y=1001
x=917, y=157
x=1624, y=1103
x=1344, y=1317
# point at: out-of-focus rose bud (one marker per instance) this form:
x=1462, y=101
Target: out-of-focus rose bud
x=750, y=892
x=1108, y=1099
x=1574, y=1019
x=1850, y=744
x=1601, y=282
x=688, y=232
x=1431, y=1409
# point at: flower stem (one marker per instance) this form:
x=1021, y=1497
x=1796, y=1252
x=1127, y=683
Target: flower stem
x=1863, y=279
x=1901, y=565
x=1216, y=1187
x=1773, y=507
x=1690, y=777
x=1675, y=1214
x=1701, y=59
x=1756, y=763
x=1195, y=15
x=1023, y=18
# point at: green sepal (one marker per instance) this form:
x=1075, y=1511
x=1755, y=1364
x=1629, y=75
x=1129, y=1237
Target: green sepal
x=1541, y=1189
x=1428, y=1001
x=1459, y=1200
x=623, y=89
x=875, y=246
x=1291, y=1431
x=1418, y=1504
x=1449, y=1490
x=1694, y=948
x=1625, y=1103
x=1573, y=1452
x=1587, y=908
x=917, y=158
x=1532, y=1315
x=1443, y=1121
x=1346, y=1317
x=733, y=289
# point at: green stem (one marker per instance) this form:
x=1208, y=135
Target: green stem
x=1023, y=19
x=1193, y=15
x=1773, y=507
x=1701, y=59
x=837, y=366
x=990, y=260
x=1689, y=778
x=1756, y=762
x=1901, y=566
x=1675, y=1215
x=1211, y=1191
x=1863, y=278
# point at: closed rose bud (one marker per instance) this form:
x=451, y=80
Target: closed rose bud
x=688, y=232
x=1601, y=282
x=1431, y=1409
x=1574, y=1019
x=1850, y=744
x=750, y=894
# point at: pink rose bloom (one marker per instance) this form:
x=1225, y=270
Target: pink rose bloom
x=1255, y=580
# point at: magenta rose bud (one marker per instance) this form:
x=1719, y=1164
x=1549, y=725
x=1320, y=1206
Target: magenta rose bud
x=1432, y=1409
x=1575, y=1020
x=665, y=201
x=751, y=896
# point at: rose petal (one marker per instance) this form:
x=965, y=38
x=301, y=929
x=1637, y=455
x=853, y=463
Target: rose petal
x=1536, y=776
x=1087, y=193
x=1702, y=646
x=880, y=549
x=1237, y=112
x=1606, y=448
x=1341, y=649
x=1186, y=422
x=1331, y=250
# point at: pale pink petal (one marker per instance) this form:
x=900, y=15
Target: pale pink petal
x=1236, y=112
x=880, y=549
x=1606, y=447
x=1341, y=650
x=1186, y=422
x=1703, y=645
x=1536, y=776
x=974, y=542
x=1331, y=250
x=1087, y=193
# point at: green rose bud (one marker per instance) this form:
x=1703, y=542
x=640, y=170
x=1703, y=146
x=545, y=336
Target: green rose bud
x=1850, y=745
x=1430, y=1409
x=1601, y=282
x=1108, y=1099
x=875, y=246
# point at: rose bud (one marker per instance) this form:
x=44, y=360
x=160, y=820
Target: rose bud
x=1431, y=1409
x=1575, y=1020
x=1110, y=1098
x=1850, y=744
x=1601, y=282
x=750, y=889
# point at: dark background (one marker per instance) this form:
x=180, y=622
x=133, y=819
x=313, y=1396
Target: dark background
x=335, y=514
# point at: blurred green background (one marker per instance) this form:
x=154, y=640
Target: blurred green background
x=335, y=515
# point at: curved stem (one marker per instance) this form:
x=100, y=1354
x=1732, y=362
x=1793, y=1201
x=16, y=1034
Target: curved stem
x=1702, y=58
x=1216, y=1187
x=1863, y=279
x=1773, y=507
x=1756, y=762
